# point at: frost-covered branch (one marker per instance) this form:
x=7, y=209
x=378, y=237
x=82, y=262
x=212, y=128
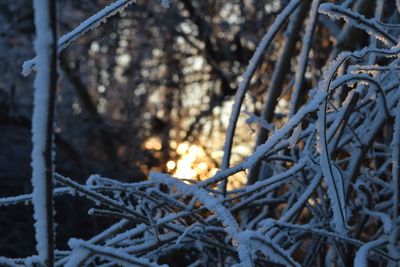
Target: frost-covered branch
x=331, y=182
x=42, y=127
x=89, y=24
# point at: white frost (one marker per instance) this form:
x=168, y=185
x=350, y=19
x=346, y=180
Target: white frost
x=43, y=45
x=361, y=259
x=89, y=24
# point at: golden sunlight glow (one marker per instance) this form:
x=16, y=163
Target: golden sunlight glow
x=173, y=144
x=195, y=164
x=185, y=166
x=153, y=143
x=313, y=202
x=203, y=166
x=171, y=165
x=192, y=162
x=182, y=148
